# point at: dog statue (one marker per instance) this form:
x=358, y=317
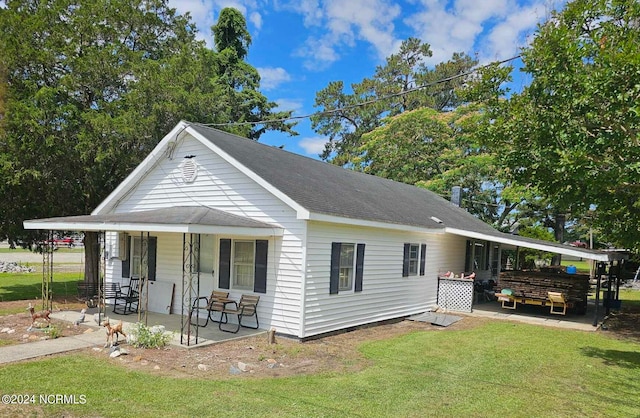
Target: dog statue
x=111, y=330
x=81, y=318
x=38, y=315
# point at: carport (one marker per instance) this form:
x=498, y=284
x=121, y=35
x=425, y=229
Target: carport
x=607, y=263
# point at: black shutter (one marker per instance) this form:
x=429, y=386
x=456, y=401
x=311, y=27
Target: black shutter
x=405, y=261
x=126, y=263
x=486, y=255
x=423, y=256
x=359, y=267
x=224, y=267
x=334, y=280
x=260, y=282
x=152, y=251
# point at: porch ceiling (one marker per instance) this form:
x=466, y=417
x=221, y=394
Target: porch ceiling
x=181, y=219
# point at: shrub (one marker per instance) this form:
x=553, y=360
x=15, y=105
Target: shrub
x=149, y=337
x=53, y=332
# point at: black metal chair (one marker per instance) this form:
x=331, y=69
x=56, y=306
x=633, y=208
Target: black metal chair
x=127, y=300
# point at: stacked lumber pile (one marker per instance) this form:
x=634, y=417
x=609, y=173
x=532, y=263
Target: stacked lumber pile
x=536, y=284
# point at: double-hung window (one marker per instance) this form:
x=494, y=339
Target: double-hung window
x=243, y=265
x=347, y=267
x=414, y=259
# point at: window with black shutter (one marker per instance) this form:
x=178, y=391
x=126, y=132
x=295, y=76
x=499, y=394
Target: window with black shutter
x=243, y=265
x=347, y=267
x=414, y=259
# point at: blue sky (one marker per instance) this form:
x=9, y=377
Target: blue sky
x=300, y=46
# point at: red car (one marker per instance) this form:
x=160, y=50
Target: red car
x=62, y=242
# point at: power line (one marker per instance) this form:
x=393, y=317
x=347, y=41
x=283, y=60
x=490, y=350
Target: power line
x=367, y=102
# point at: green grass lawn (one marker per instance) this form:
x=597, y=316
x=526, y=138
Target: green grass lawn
x=498, y=369
x=26, y=286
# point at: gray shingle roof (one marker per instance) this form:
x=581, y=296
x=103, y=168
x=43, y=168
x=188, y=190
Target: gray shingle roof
x=179, y=215
x=327, y=189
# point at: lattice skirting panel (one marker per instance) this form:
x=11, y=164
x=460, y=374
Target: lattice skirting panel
x=455, y=295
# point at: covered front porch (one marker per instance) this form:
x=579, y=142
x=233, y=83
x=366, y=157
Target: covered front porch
x=200, y=336
x=181, y=280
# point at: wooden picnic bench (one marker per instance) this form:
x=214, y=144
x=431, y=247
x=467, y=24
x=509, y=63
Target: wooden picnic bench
x=247, y=307
x=555, y=300
x=214, y=303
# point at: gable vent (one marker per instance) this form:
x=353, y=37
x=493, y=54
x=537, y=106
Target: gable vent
x=189, y=169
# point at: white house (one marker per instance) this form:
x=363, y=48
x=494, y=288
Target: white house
x=325, y=248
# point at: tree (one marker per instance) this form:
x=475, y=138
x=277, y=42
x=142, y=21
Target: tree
x=438, y=150
x=91, y=87
x=573, y=133
x=403, y=84
x=239, y=82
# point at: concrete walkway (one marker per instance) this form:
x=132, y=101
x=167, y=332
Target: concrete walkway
x=97, y=337
x=18, y=352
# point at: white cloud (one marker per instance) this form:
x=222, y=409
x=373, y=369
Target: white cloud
x=271, y=78
x=507, y=37
x=312, y=146
x=289, y=104
x=461, y=26
x=343, y=24
x=201, y=14
x=256, y=19
x=204, y=13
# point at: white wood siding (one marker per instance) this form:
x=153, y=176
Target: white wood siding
x=221, y=186
x=385, y=293
x=450, y=253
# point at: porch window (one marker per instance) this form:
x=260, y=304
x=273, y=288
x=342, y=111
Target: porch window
x=131, y=266
x=243, y=264
x=477, y=256
x=206, y=254
x=136, y=256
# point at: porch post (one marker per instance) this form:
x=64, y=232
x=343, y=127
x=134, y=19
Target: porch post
x=598, y=278
x=143, y=285
x=618, y=273
x=608, y=299
x=102, y=269
x=47, y=272
x=190, y=286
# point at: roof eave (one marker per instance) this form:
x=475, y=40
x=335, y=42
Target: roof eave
x=513, y=240
x=62, y=225
x=320, y=217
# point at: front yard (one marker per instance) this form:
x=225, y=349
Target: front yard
x=473, y=368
